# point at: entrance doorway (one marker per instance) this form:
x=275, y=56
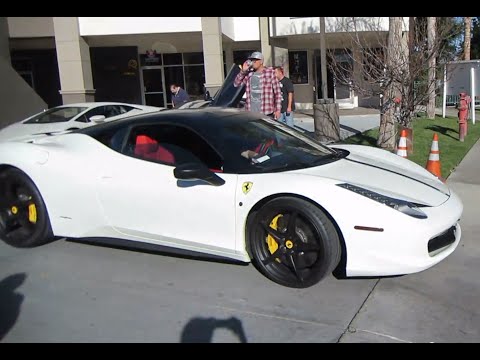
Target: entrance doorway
x=318, y=79
x=153, y=90
x=336, y=89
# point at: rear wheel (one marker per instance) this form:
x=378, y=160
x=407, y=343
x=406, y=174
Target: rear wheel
x=292, y=242
x=24, y=220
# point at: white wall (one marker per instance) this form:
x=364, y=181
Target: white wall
x=228, y=26
x=246, y=28
x=26, y=27
x=137, y=25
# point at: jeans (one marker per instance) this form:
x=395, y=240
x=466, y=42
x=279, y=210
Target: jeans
x=286, y=119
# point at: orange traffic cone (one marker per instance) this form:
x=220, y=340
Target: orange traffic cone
x=433, y=163
x=402, y=144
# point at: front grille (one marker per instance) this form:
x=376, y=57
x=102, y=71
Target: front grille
x=440, y=241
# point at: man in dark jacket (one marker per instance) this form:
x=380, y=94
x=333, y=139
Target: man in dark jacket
x=179, y=95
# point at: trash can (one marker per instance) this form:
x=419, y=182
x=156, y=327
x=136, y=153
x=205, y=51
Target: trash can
x=326, y=120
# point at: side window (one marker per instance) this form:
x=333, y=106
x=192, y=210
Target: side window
x=171, y=145
x=124, y=108
x=111, y=110
x=99, y=110
x=112, y=137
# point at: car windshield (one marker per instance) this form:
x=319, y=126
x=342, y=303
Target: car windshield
x=55, y=115
x=265, y=145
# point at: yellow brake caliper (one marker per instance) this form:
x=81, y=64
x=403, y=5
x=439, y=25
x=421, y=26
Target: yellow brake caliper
x=272, y=244
x=32, y=213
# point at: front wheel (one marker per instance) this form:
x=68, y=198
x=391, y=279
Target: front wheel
x=24, y=220
x=293, y=242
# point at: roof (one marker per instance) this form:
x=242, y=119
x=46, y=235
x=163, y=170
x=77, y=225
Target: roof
x=199, y=119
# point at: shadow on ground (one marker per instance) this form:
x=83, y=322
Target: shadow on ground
x=361, y=139
x=444, y=131
x=10, y=302
x=201, y=330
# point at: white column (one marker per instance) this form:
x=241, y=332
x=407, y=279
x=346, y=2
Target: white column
x=74, y=66
x=212, y=53
x=266, y=48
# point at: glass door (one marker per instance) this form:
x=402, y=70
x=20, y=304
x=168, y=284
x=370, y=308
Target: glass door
x=318, y=80
x=153, y=86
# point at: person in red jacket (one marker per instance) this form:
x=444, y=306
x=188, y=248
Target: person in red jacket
x=262, y=88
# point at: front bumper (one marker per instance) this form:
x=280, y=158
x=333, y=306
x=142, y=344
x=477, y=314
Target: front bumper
x=408, y=247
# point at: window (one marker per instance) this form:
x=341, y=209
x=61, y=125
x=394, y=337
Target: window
x=171, y=145
x=264, y=145
x=340, y=62
x=55, y=115
x=112, y=137
x=150, y=58
x=124, y=108
x=172, y=59
x=373, y=64
x=106, y=111
x=194, y=79
x=298, y=66
x=195, y=58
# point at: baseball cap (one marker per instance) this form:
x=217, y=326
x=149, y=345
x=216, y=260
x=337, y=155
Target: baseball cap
x=256, y=55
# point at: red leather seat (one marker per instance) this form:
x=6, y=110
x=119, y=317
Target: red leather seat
x=148, y=148
x=145, y=145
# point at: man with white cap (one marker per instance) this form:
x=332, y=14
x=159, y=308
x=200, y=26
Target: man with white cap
x=263, y=92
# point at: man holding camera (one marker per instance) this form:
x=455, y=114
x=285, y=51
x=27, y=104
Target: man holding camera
x=263, y=92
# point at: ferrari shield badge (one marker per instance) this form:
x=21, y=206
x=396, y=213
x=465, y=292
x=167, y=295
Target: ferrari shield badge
x=247, y=186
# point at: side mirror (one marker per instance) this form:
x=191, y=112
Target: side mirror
x=97, y=118
x=197, y=171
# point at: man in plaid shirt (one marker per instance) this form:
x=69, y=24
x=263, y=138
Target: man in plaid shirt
x=262, y=86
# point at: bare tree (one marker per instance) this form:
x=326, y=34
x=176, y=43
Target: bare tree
x=466, y=43
x=392, y=67
x=431, y=25
x=386, y=136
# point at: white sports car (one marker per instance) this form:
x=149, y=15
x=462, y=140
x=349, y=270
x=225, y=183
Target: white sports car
x=233, y=184
x=70, y=117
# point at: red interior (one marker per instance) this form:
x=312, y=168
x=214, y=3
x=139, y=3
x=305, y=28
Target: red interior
x=148, y=148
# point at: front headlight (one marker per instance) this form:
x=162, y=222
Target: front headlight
x=405, y=207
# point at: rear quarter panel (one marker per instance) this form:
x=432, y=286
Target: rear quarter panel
x=65, y=171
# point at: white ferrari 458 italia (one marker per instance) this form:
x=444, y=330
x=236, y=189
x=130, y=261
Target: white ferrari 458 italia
x=233, y=184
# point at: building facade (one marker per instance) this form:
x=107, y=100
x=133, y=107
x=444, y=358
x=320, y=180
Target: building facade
x=135, y=59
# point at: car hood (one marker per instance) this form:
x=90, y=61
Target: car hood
x=385, y=173
x=20, y=131
x=229, y=95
